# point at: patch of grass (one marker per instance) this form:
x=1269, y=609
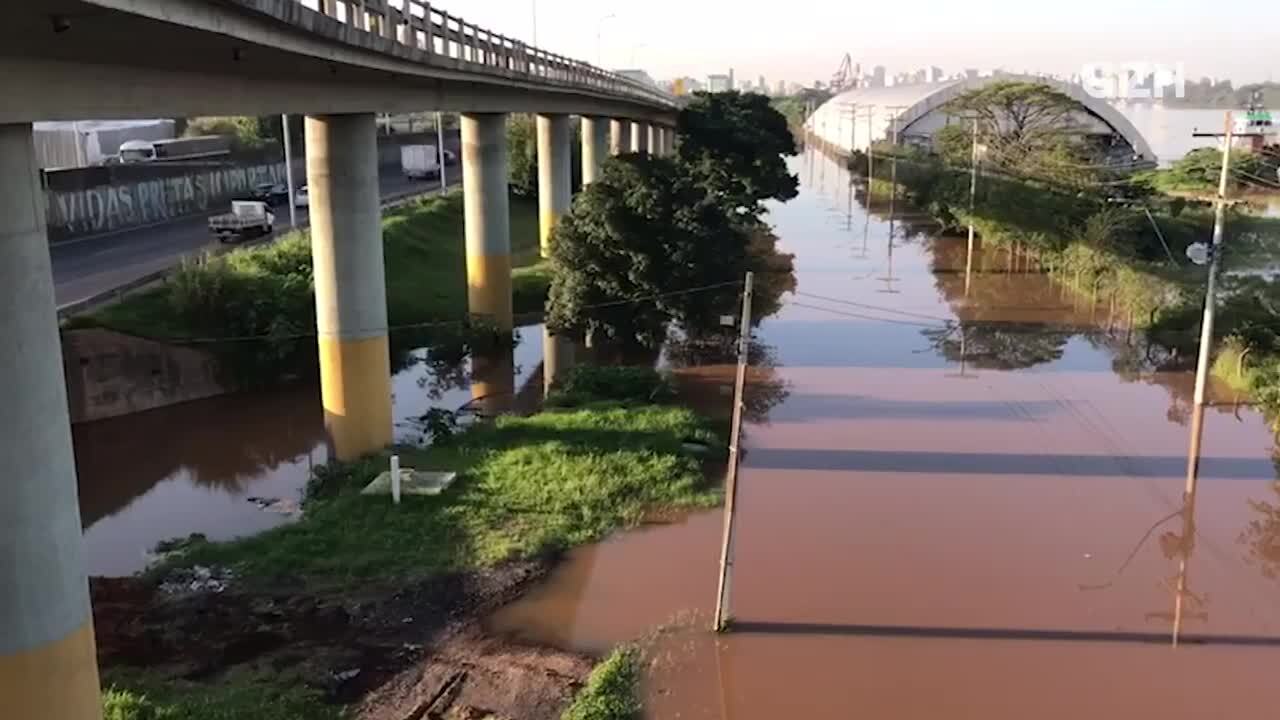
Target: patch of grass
x=611, y=691
x=240, y=695
x=586, y=384
x=1230, y=365
x=526, y=486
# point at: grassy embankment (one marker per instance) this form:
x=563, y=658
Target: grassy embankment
x=527, y=487
x=257, y=303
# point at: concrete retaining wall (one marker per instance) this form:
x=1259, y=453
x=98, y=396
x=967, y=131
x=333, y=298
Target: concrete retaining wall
x=107, y=208
x=111, y=374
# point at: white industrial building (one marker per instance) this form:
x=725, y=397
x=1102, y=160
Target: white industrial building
x=859, y=117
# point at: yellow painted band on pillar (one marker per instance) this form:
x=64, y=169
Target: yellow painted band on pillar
x=356, y=388
x=489, y=288
x=57, y=681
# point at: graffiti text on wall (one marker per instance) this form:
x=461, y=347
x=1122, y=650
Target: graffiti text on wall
x=114, y=207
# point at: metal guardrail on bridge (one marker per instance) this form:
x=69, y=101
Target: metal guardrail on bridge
x=420, y=26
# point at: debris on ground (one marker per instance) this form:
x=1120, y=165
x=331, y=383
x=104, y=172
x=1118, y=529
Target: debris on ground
x=195, y=580
x=355, y=648
x=279, y=506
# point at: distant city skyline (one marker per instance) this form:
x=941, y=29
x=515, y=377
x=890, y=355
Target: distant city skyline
x=805, y=40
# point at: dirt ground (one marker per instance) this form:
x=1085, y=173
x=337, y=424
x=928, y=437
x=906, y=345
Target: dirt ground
x=408, y=653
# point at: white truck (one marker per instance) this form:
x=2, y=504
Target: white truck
x=419, y=161
x=247, y=219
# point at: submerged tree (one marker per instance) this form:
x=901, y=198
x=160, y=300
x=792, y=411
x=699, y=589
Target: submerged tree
x=735, y=145
x=635, y=249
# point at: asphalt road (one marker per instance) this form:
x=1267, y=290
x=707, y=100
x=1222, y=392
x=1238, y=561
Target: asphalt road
x=87, y=267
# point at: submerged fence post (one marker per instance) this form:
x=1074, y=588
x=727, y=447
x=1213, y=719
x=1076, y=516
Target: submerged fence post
x=735, y=441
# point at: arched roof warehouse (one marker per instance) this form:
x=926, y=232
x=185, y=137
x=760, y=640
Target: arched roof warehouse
x=843, y=120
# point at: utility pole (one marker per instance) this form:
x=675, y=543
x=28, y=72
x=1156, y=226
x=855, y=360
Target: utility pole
x=735, y=458
x=871, y=111
x=973, y=198
x=535, y=22
x=444, y=183
x=288, y=168
x=1206, y=325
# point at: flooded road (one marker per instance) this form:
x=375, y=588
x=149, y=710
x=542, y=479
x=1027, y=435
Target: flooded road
x=950, y=506
x=193, y=468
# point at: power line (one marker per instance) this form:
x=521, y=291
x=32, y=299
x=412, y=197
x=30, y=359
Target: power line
x=877, y=308
x=458, y=322
x=860, y=316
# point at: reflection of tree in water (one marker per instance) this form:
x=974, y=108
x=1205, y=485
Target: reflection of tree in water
x=1000, y=346
x=443, y=351
x=718, y=355
x=1262, y=534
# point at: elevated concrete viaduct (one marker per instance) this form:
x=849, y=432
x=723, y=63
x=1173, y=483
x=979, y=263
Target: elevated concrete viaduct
x=337, y=62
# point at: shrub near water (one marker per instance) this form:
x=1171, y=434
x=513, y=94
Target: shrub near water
x=610, y=693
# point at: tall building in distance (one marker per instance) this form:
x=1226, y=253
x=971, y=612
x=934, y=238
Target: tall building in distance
x=877, y=79
x=762, y=87
x=719, y=83
x=732, y=84
x=780, y=89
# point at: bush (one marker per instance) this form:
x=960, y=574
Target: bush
x=584, y=385
x=610, y=693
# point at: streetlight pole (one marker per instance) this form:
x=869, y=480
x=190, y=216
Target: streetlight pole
x=444, y=184
x=599, y=30
x=288, y=168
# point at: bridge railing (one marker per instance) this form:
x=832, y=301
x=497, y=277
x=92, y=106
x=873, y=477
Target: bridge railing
x=432, y=30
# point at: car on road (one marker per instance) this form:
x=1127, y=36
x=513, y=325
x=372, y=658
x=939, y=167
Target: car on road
x=247, y=219
x=301, y=198
x=271, y=193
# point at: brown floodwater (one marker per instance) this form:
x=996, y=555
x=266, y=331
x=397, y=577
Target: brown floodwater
x=962, y=505
x=193, y=468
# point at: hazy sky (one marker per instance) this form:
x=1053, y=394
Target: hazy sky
x=804, y=40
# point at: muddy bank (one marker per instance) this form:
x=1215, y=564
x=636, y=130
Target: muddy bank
x=391, y=653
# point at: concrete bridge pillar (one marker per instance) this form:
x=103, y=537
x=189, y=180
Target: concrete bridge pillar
x=554, y=195
x=639, y=137
x=488, y=217
x=350, y=280
x=619, y=137
x=669, y=137
x=595, y=147
x=655, y=139
x=48, y=665
x=555, y=177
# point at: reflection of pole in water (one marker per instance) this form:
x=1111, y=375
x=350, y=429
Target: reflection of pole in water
x=724, y=692
x=890, y=279
x=964, y=356
x=1186, y=544
x=493, y=383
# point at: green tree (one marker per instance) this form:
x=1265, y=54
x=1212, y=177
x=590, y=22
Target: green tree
x=735, y=145
x=1024, y=128
x=522, y=154
x=644, y=230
